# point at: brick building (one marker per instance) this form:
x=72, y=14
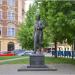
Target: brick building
x=11, y=14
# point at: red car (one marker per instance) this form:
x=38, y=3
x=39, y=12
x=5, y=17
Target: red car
x=7, y=53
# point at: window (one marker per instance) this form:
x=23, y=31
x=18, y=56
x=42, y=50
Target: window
x=0, y=15
x=11, y=32
x=0, y=1
x=11, y=15
x=11, y=2
x=0, y=31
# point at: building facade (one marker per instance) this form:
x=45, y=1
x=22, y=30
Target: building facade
x=11, y=16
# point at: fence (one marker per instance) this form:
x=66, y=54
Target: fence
x=63, y=53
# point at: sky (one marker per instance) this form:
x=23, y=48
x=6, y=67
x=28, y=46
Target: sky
x=27, y=3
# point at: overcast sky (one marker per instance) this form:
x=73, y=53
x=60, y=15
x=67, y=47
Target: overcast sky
x=27, y=3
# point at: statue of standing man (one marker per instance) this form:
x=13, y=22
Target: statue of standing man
x=38, y=34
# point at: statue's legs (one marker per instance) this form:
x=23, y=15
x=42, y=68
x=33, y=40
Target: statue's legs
x=40, y=40
x=35, y=42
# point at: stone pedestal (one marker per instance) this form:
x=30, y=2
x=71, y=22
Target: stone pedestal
x=37, y=61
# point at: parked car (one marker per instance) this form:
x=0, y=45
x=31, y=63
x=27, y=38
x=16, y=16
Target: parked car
x=29, y=52
x=22, y=52
x=19, y=52
x=7, y=53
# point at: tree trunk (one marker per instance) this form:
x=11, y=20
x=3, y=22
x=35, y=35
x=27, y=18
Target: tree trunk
x=73, y=49
x=55, y=43
x=74, y=45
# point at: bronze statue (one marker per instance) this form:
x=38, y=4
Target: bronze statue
x=38, y=34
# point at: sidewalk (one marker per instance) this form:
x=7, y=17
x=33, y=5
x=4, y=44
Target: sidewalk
x=63, y=69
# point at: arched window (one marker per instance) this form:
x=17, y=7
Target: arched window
x=11, y=46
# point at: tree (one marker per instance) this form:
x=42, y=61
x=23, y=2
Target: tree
x=25, y=34
x=60, y=18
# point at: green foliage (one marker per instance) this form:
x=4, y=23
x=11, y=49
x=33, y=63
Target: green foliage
x=25, y=36
x=60, y=18
x=25, y=33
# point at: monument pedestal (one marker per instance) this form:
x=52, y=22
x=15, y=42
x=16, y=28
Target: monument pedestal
x=37, y=63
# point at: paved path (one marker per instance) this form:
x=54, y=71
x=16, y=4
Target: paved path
x=12, y=59
x=63, y=69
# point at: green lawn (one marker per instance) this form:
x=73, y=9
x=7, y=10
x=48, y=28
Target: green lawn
x=52, y=60
x=8, y=57
x=48, y=60
x=21, y=61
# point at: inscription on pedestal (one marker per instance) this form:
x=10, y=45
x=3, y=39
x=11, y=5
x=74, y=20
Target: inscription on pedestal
x=36, y=60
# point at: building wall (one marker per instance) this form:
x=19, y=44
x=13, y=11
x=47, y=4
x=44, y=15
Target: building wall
x=5, y=24
x=4, y=44
x=20, y=11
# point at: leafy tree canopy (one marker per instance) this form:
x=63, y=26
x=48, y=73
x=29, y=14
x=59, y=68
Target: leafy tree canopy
x=60, y=18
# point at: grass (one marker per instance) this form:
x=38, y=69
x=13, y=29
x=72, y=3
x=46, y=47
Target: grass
x=52, y=60
x=48, y=60
x=21, y=61
x=8, y=57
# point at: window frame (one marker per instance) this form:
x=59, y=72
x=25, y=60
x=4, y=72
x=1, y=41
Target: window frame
x=11, y=33
x=9, y=2
x=11, y=15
